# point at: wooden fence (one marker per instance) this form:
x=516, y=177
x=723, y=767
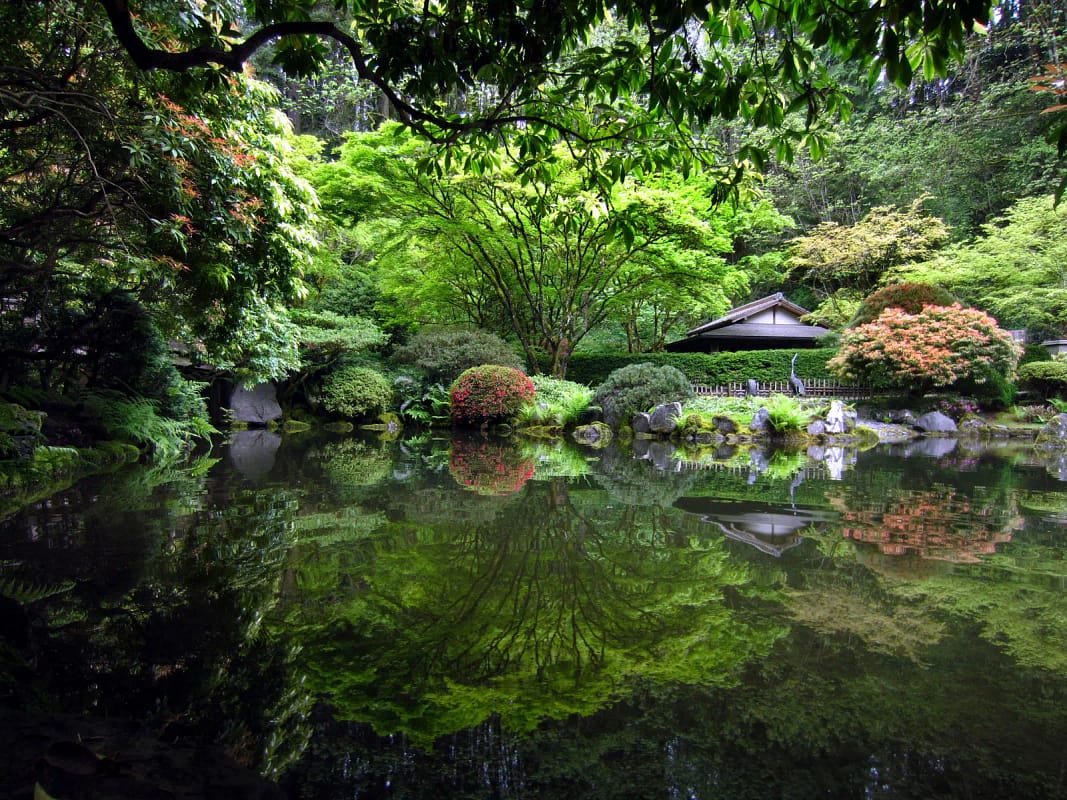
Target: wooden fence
x=816, y=387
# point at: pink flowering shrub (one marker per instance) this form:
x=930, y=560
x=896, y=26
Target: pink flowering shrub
x=489, y=468
x=938, y=346
x=488, y=393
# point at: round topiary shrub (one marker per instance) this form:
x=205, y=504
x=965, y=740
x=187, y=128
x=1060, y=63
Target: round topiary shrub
x=356, y=392
x=909, y=297
x=639, y=387
x=444, y=354
x=488, y=393
x=1046, y=378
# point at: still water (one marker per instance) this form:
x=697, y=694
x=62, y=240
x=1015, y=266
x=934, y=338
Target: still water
x=478, y=618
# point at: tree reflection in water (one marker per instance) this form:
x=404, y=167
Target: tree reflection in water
x=432, y=623
x=579, y=636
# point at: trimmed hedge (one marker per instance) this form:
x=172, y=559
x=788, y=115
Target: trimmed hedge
x=709, y=369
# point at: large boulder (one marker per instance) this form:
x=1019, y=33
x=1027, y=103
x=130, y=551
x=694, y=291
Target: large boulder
x=664, y=418
x=761, y=421
x=817, y=428
x=724, y=424
x=838, y=419
x=935, y=422
x=256, y=405
x=641, y=422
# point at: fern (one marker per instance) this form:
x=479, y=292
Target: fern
x=785, y=414
x=27, y=592
x=138, y=420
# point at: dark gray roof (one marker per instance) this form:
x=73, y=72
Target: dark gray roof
x=741, y=313
x=752, y=330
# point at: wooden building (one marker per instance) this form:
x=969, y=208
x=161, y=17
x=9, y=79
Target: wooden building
x=772, y=323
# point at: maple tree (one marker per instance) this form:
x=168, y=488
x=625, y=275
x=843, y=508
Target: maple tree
x=937, y=347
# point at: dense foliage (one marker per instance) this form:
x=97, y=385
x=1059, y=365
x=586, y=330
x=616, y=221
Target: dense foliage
x=1046, y=378
x=639, y=387
x=173, y=190
x=353, y=391
x=578, y=202
x=443, y=354
x=489, y=393
x=544, y=262
x=556, y=402
x=1015, y=269
x=674, y=70
x=939, y=346
x=842, y=263
x=910, y=297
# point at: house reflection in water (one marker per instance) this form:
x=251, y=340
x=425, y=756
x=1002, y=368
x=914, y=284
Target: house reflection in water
x=770, y=528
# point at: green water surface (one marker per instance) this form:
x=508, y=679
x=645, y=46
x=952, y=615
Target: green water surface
x=445, y=617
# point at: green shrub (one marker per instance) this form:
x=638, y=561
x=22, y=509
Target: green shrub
x=356, y=391
x=126, y=353
x=488, y=393
x=1046, y=378
x=1034, y=352
x=638, y=387
x=20, y=430
x=555, y=402
x=710, y=369
x=910, y=297
x=444, y=354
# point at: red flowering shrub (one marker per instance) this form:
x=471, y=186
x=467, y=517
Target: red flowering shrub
x=489, y=468
x=487, y=393
x=938, y=346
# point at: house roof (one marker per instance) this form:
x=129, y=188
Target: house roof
x=753, y=330
x=741, y=313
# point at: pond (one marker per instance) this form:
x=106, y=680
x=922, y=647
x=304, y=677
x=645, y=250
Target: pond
x=478, y=618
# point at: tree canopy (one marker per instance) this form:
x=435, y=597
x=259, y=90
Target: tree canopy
x=629, y=101
x=1015, y=269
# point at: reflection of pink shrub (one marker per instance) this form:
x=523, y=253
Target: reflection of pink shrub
x=487, y=393
x=488, y=468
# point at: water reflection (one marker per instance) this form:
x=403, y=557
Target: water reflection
x=485, y=618
x=545, y=609
x=771, y=529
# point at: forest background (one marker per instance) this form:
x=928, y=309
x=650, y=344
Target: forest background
x=298, y=217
